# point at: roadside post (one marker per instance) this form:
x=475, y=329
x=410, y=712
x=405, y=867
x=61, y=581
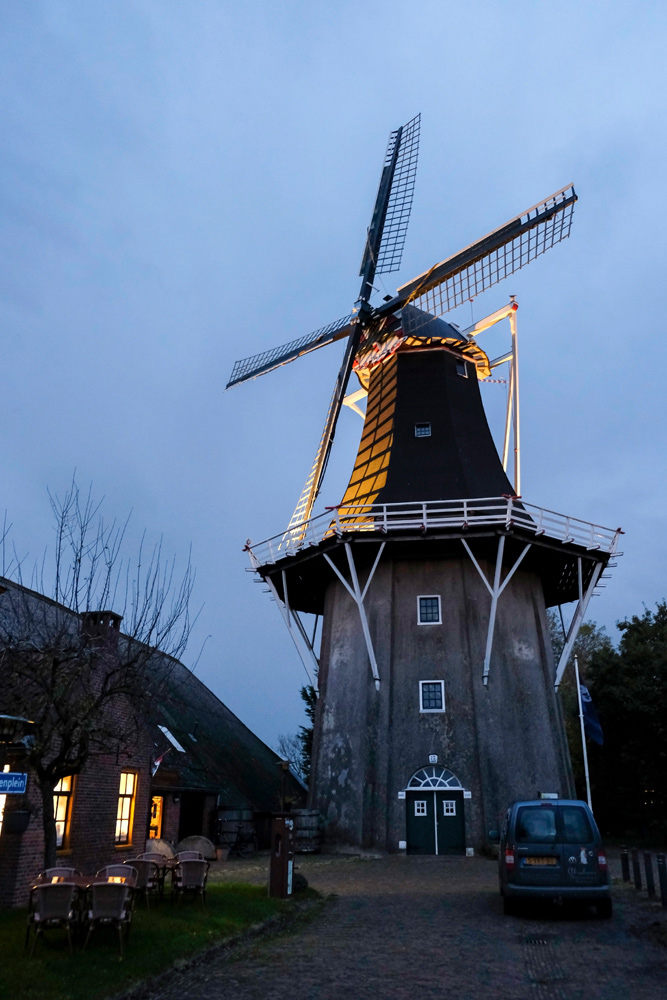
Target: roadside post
x=648, y=868
x=662, y=878
x=281, y=868
x=625, y=864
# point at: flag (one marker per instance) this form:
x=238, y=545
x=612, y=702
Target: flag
x=592, y=726
x=158, y=761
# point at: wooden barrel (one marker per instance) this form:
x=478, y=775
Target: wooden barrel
x=307, y=831
x=229, y=821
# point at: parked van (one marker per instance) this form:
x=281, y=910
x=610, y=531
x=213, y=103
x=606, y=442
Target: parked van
x=551, y=849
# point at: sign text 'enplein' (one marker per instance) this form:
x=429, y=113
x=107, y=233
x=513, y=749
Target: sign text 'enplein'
x=13, y=783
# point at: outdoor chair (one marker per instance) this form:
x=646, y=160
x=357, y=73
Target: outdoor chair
x=148, y=876
x=110, y=904
x=117, y=871
x=190, y=876
x=59, y=872
x=160, y=860
x=50, y=906
x=190, y=856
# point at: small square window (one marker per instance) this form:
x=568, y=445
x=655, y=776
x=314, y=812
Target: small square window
x=420, y=808
x=429, y=610
x=431, y=696
x=462, y=369
x=449, y=807
x=422, y=430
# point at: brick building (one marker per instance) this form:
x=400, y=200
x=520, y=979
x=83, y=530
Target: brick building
x=189, y=761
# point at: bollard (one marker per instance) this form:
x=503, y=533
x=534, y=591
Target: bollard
x=636, y=870
x=281, y=864
x=662, y=878
x=648, y=868
x=625, y=864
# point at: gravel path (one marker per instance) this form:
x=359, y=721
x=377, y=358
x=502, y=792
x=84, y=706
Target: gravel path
x=402, y=928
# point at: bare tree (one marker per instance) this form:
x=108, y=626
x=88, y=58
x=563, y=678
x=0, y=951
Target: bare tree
x=65, y=664
x=289, y=747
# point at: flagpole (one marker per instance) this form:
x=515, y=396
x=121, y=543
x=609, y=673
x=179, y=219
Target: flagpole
x=583, y=734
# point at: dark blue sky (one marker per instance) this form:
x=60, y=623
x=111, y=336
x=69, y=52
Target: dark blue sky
x=185, y=183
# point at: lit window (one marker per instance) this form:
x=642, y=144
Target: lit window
x=420, y=808
x=3, y=799
x=155, y=829
x=422, y=430
x=62, y=809
x=431, y=696
x=125, y=813
x=429, y=610
x=461, y=369
x=449, y=807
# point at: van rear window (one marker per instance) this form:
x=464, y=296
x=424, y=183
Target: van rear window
x=536, y=825
x=576, y=827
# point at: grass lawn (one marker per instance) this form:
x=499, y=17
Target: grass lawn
x=158, y=938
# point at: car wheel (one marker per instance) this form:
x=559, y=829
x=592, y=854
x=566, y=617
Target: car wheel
x=604, y=909
x=510, y=906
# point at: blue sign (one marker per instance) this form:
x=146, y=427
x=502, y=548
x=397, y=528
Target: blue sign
x=13, y=783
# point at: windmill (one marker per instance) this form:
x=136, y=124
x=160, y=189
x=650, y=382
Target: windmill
x=432, y=569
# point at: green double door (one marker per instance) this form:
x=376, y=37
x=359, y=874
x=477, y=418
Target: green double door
x=435, y=821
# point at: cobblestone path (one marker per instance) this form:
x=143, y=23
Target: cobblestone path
x=406, y=928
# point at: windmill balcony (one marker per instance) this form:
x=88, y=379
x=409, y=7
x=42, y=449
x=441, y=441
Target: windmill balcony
x=429, y=516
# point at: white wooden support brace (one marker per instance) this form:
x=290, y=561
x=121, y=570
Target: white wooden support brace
x=495, y=591
x=494, y=606
x=575, y=624
x=358, y=596
x=308, y=660
x=508, y=415
x=515, y=414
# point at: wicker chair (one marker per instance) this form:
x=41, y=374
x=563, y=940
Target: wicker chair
x=160, y=860
x=110, y=904
x=117, y=871
x=59, y=872
x=51, y=905
x=190, y=856
x=148, y=876
x=190, y=876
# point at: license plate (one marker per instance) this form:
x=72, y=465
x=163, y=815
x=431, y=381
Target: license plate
x=541, y=861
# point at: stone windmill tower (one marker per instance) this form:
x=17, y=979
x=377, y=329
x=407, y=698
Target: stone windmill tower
x=437, y=687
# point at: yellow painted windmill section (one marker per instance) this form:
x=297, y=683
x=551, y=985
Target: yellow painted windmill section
x=369, y=474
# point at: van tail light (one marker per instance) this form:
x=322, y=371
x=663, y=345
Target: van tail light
x=509, y=858
x=602, y=861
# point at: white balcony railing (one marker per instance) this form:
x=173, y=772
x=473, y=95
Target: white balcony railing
x=392, y=518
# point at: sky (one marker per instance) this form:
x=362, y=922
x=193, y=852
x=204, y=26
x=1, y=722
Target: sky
x=186, y=183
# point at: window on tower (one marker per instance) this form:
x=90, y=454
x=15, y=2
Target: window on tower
x=422, y=430
x=461, y=369
x=429, y=610
x=431, y=696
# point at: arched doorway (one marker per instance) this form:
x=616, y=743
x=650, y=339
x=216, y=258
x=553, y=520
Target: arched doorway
x=435, y=821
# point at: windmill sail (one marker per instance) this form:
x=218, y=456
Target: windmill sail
x=389, y=225
x=392, y=205
x=258, y=364
x=486, y=262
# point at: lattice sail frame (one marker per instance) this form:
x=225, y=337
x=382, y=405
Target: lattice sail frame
x=266, y=361
x=400, y=201
x=488, y=261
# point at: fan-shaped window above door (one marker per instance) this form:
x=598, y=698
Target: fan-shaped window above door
x=434, y=777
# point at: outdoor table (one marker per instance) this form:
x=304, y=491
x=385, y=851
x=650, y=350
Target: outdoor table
x=83, y=881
